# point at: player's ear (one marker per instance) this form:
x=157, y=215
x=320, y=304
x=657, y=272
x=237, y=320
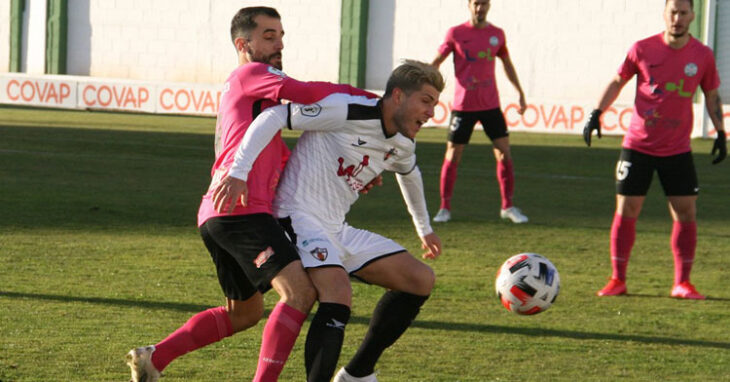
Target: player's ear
x=240, y=43
x=398, y=95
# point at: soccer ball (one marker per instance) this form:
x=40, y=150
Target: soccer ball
x=527, y=283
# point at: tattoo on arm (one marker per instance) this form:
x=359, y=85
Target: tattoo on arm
x=718, y=109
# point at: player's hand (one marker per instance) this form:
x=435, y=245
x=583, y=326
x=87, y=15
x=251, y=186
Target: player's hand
x=377, y=181
x=523, y=105
x=594, y=123
x=720, y=147
x=432, y=244
x=227, y=192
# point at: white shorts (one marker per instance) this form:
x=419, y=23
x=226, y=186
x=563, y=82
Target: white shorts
x=350, y=248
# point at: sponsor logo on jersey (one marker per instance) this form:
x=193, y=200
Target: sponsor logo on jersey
x=312, y=110
x=276, y=72
x=678, y=87
x=392, y=151
x=483, y=54
x=263, y=256
x=690, y=69
x=319, y=253
x=350, y=172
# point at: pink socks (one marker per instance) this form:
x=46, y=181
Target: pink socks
x=202, y=329
x=684, y=242
x=623, y=234
x=506, y=178
x=280, y=334
x=448, y=179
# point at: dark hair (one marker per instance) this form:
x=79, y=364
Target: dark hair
x=243, y=22
x=411, y=76
x=691, y=3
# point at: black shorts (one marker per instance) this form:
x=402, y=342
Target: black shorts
x=634, y=171
x=462, y=125
x=248, y=251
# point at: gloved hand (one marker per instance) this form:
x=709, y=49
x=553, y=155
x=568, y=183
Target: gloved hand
x=719, y=147
x=594, y=123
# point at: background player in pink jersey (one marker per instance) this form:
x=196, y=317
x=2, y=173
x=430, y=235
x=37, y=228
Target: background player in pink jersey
x=249, y=247
x=475, y=45
x=669, y=66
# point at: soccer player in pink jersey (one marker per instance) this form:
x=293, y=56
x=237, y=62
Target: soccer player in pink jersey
x=250, y=249
x=475, y=44
x=669, y=67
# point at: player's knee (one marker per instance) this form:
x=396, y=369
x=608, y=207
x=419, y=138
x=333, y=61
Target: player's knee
x=243, y=318
x=340, y=293
x=301, y=298
x=295, y=288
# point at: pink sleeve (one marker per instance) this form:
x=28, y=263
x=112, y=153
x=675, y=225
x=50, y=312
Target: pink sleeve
x=630, y=65
x=711, y=79
x=448, y=45
x=503, y=51
x=310, y=92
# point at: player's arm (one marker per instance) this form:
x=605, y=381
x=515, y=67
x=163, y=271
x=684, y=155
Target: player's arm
x=264, y=81
x=440, y=58
x=509, y=70
x=713, y=103
x=609, y=95
x=261, y=131
x=313, y=91
x=411, y=186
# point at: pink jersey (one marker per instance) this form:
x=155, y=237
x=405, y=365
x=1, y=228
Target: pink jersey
x=475, y=51
x=667, y=79
x=250, y=89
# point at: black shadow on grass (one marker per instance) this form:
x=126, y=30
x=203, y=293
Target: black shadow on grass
x=437, y=325
x=709, y=298
x=541, y=332
x=183, y=307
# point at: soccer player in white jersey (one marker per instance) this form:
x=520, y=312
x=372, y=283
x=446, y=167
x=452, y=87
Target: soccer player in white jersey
x=347, y=142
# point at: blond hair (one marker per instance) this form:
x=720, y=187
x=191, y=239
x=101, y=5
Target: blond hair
x=411, y=75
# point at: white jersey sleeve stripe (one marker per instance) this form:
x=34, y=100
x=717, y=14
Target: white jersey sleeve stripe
x=261, y=131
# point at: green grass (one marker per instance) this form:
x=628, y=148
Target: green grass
x=99, y=253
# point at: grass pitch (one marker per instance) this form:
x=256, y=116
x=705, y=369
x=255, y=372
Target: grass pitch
x=99, y=253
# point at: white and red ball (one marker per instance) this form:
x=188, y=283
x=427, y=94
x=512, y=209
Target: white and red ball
x=527, y=283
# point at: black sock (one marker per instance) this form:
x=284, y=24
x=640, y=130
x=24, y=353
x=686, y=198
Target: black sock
x=324, y=341
x=392, y=316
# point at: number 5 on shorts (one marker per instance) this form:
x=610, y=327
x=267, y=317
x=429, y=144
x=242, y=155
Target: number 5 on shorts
x=622, y=170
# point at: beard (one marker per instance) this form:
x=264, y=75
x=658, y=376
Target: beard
x=272, y=59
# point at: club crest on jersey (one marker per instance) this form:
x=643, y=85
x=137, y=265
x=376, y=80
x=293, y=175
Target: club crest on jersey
x=690, y=69
x=493, y=41
x=319, y=253
x=276, y=72
x=312, y=110
x=263, y=256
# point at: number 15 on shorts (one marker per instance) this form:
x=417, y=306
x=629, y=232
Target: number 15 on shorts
x=622, y=170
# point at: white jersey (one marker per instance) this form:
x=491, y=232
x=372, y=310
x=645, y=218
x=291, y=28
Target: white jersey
x=343, y=148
